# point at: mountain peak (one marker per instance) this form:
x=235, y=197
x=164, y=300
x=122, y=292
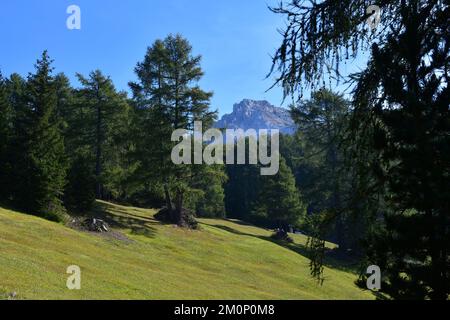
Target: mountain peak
x=250, y=105
x=257, y=114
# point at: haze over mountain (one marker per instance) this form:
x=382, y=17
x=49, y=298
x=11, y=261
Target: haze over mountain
x=252, y=114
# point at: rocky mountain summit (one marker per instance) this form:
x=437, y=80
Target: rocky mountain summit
x=252, y=114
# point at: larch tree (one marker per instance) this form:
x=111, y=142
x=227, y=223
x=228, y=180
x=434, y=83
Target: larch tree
x=103, y=116
x=168, y=97
x=399, y=128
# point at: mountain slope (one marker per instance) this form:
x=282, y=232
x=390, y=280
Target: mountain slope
x=251, y=114
x=148, y=260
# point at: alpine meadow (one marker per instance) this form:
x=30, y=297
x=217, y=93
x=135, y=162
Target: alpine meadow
x=225, y=151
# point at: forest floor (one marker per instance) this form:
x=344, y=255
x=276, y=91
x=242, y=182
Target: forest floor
x=144, y=259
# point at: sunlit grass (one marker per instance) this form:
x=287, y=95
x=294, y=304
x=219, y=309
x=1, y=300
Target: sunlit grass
x=224, y=260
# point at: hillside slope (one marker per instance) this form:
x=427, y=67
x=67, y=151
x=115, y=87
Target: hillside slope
x=144, y=259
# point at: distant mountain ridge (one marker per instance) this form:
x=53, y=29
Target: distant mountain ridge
x=253, y=114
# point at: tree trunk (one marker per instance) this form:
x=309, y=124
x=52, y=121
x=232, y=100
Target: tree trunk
x=168, y=198
x=98, y=167
x=179, y=208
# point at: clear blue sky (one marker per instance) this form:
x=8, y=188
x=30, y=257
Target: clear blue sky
x=235, y=38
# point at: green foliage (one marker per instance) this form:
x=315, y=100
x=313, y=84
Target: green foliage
x=410, y=139
x=49, y=130
x=104, y=120
x=12, y=118
x=80, y=190
x=278, y=199
x=242, y=190
x=272, y=201
x=399, y=137
x=317, y=155
x=211, y=202
x=5, y=136
x=39, y=166
x=167, y=97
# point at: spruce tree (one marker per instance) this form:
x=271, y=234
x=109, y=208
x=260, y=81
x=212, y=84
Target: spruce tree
x=240, y=191
x=79, y=194
x=5, y=137
x=279, y=199
x=40, y=169
x=14, y=115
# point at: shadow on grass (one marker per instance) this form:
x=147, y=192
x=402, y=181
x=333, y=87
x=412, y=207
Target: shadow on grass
x=330, y=261
x=122, y=219
x=240, y=222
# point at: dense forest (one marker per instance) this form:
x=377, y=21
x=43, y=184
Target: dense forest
x=63, y=147
x=368, y=171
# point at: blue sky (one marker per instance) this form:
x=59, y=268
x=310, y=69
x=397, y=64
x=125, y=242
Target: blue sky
x=235, y=38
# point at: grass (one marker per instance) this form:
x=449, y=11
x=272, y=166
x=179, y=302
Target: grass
x=224, y=260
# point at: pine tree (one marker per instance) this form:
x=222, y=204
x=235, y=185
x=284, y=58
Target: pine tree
x=40, y=169
x=411, y=162
x=211, y=201
x=168, y=97
x=102, y=118
x=279, y=199
x=14, y=123
x=399, y=131
x=5, y=137
x=240, y=191
x=322, y=173
x=79, y=194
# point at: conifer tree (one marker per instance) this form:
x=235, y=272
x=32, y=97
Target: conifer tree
x=167, y=97
x=321, y=170
x=211, y=184
x=399, y=130
x=102, y=117
x=40, y=166
x=279, y=199
x=5, y=137
x=14, y=123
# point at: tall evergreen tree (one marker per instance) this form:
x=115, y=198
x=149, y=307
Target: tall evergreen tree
x=168, y=97
x=5, y=137
x=40, y=163
x=103, y=116
x=240, y=191
x=322, y=175
x=400, y=128
x=212, y=196
x=279, y=199
x=14, y=123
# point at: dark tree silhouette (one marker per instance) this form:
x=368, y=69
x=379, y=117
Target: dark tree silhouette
x=400, y=128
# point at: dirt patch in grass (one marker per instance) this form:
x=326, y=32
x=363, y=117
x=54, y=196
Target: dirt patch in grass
x=78, y=224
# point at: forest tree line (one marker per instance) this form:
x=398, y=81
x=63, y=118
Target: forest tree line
x=395, y=149
x=370, y=174
x=63, y=147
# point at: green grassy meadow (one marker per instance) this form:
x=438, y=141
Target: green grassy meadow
x=144, y=259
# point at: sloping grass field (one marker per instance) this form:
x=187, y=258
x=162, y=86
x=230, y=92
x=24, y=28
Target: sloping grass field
x=144, y=259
